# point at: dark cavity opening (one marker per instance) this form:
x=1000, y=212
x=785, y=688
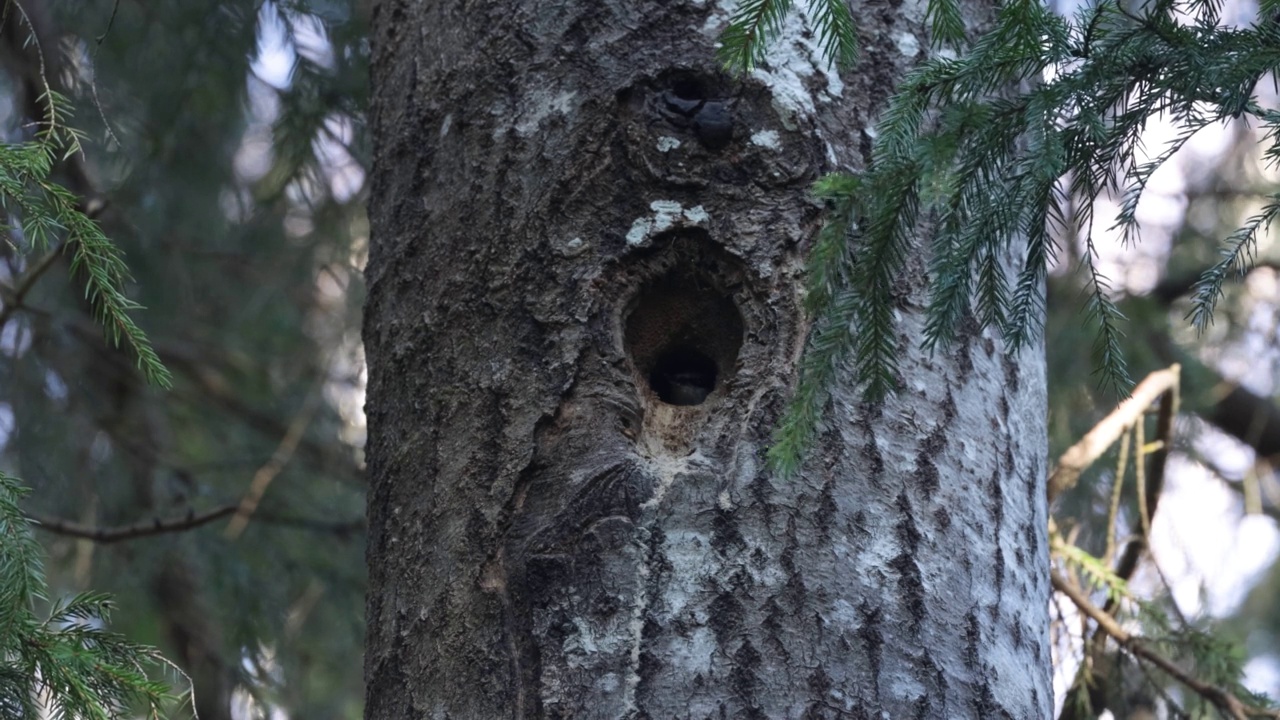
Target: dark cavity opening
x=687, y=88
x=683, y=376
x=682, y=333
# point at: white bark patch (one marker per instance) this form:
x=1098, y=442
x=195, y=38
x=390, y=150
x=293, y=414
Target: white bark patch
x=608, y=683
x=907, y=44
x=667, y=143
x=687, y=549
x=667, y=215
x=844, y=615
x=766, y=139
x=572, y=247
x=540, y=105
x=696, y=215
x=665, y=468
x=636, y=629
x=794, y=56
x=444, y=126
x=915, y=11
x=581, y=643
x=789, y=97
x=639, y=231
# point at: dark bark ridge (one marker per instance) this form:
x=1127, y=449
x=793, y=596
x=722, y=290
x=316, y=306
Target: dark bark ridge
x=583, y=322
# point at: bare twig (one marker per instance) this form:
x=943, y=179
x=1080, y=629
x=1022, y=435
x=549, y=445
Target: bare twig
x=115, y=7
x=1127, y=424
x=1081, y=455
x=284, y=452
x=1113, y=510
x=180, y=522
x=1223, y=699
x=1150, y=478
x=155, y=526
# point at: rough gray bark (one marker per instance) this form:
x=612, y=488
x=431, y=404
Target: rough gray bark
x=562, y=236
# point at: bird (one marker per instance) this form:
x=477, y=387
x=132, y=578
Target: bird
x=710, y=120
x=714, y=124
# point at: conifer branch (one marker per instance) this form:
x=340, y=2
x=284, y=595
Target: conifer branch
x=1236, y=258
x=1140, y=647
x=753, y=25
x=946, y=22
x=46, y=210
x=989, y=157
x=836, y=31
x=756, y=23
x=66, y=664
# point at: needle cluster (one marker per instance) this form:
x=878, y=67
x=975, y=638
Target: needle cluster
x=1000, y=150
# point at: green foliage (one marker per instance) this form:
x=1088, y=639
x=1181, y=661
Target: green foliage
x=1214, y=660
x=946, y=23
x=755, y=22
x=990, y=155
x=1099, y=572
x=1217, y=660
x=48, y=214
x=64, y=665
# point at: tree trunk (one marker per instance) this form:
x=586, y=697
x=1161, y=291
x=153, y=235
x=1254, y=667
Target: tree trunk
x=583, y=323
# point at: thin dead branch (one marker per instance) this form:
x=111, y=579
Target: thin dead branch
x=1080, y=456
x=1140, y=648
x=155, y=526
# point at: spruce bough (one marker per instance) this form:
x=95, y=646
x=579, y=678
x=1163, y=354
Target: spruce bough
x=989, y=147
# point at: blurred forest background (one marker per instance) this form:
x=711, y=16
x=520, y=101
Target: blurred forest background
x=225, y=153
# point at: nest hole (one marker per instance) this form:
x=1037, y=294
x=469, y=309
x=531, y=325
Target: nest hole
x=683, y=336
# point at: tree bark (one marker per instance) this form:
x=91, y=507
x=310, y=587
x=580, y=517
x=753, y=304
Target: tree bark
x=583, y=323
